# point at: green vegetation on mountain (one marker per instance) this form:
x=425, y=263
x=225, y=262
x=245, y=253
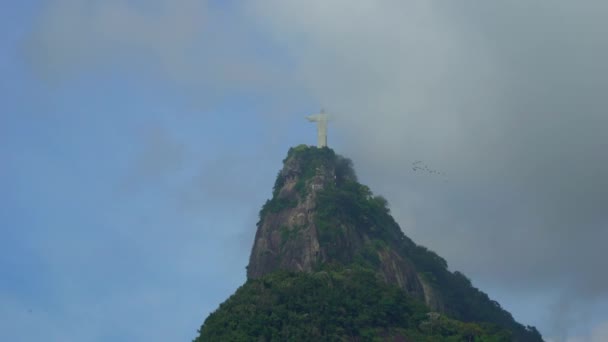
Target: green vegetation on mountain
x=331, y=264
x=338, y=305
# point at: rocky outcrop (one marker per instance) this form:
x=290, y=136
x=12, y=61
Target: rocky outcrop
x=431, y=297
x=287, y=239
x=287, y=236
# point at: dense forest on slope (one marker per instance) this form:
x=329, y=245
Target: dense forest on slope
x=334, y=305
x=349, y=292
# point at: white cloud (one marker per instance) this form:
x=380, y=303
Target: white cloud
x=75, y=34
x=205, y=49
x=599, y=333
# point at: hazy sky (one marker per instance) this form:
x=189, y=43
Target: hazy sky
x=139, y=139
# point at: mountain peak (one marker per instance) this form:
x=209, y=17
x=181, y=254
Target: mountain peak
x=323, y=227
x=319, y=214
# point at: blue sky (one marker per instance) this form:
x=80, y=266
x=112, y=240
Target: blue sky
x=139, y=139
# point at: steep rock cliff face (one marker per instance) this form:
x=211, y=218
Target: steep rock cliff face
x=286, y=238
x=291, y=236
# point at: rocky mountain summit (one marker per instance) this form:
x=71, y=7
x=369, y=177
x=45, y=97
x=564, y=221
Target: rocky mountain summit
x=299, y=229
x=330, y=263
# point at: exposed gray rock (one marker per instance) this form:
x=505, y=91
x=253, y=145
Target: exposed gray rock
x=288, y=239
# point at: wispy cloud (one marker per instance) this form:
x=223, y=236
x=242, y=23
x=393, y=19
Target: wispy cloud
x=203, y=47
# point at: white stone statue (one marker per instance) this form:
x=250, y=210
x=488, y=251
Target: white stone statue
x=321, y=120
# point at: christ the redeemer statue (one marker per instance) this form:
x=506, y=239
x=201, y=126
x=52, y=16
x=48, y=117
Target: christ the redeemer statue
x=321, y=120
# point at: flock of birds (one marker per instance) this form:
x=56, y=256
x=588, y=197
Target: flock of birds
x=419, y=166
